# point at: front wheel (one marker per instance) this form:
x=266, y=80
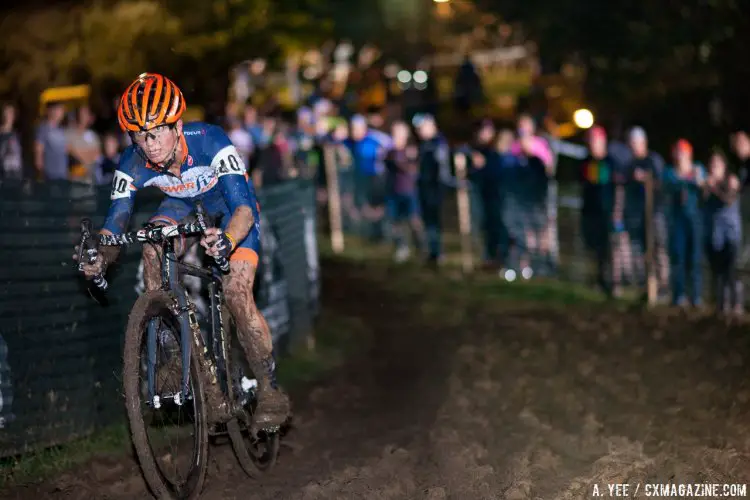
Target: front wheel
x=169, y=431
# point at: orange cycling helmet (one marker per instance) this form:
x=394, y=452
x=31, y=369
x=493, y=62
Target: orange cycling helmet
x=149, y=102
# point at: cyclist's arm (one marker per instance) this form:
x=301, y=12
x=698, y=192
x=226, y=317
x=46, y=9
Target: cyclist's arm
x=120, y=209
x=233, y=183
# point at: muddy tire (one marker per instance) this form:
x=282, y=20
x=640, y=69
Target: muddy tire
x=254, y=460
x=256, y=457
x=149, y=305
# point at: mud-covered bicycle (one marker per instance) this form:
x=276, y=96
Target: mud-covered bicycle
x=175, y=374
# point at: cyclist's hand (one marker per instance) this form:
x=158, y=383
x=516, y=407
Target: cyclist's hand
x=217, y=243
x=91, y=270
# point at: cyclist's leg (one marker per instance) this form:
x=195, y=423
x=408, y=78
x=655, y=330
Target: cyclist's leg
x=171, y=211
x=253, y=332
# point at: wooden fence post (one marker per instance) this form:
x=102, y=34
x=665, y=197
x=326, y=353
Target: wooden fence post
x=334, y=200
x=464, y=213
x=651, y=282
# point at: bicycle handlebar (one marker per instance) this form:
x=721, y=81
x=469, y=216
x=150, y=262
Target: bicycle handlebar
x=148, y=234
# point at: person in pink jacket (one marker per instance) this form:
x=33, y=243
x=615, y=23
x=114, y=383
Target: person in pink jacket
x=536, y=162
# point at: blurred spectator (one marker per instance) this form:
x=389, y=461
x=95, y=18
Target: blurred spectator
x=402, y=202
x=302, y=140
x=504, y=142
x=723, y=232
x=231, y=110
x=645, y=164
x=506, y=164
x=11, y=165
x=537, y=167
x=84, y=146
x=368, y=150
x=241, y=139
x=271, y=164
x=107, y=163
x=683, y=182
x=254, y=127
x=484, y=175
x=375, y=119
x=434, y=175
x=322, y=108
x=321, y=140
x=283, y=142
x=741, y=146
x=468, y=86
x=597, y=176
x=51, y=145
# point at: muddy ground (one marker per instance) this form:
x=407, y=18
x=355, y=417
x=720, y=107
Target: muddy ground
x=464, y=397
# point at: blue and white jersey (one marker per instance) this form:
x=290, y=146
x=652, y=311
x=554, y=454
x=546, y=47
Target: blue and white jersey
x=212, y=172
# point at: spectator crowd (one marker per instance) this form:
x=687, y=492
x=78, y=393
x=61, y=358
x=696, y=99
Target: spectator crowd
x=394, y=176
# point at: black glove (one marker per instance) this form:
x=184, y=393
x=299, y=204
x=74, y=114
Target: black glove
x=225, y=245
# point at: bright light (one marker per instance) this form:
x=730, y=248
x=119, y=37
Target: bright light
x=404, y=76
x=420, y=76
x=441, y=1
x=583, y=118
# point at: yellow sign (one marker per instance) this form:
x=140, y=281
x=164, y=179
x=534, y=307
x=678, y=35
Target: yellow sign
x=64, y=94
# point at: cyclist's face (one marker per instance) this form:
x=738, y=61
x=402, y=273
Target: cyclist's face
x=158, y=143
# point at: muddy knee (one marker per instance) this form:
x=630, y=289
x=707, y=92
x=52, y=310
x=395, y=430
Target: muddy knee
x=151, y=267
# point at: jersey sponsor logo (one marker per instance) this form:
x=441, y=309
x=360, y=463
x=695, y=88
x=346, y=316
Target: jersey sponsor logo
x=122, y=186
x=228, y=162
x=194, y=181
x=194, y=132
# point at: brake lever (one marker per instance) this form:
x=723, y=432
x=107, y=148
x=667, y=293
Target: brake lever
x=88, y=253
x=200, y=216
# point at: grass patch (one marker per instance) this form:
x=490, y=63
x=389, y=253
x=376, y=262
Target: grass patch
x=39, y=465
x=451, y=284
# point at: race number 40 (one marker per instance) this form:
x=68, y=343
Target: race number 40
x=121, y=185
x=228, y=162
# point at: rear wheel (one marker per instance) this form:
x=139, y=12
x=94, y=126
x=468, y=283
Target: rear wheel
x=256, y=454
x=171, y=437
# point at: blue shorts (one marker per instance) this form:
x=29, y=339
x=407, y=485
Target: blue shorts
x=177, y=210
x=402, y=206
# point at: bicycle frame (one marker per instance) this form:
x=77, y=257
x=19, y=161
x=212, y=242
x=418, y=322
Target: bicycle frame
x=216, y=362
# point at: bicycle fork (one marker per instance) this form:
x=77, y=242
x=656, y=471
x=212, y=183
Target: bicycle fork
x=190, y=338
x=189, y=335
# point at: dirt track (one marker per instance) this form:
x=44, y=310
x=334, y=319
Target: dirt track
x=486, y=402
